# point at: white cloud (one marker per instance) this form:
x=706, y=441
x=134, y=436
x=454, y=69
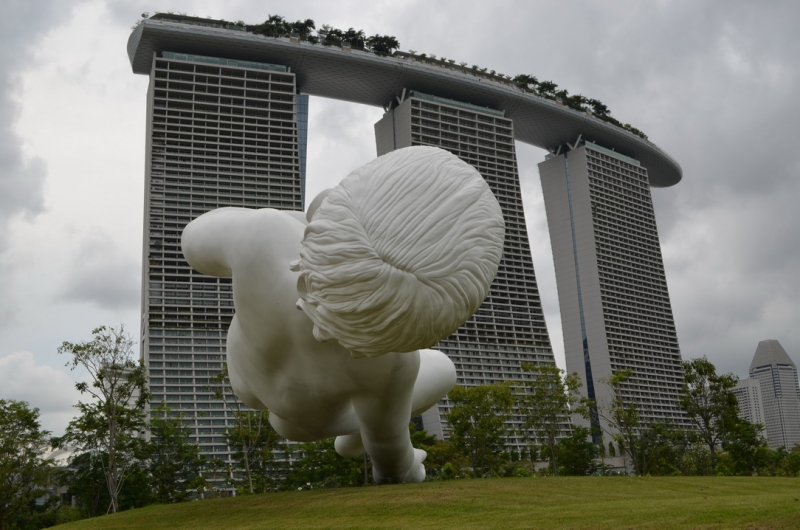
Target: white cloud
x=50, y=390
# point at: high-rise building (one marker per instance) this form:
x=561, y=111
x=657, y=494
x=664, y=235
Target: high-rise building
x=751, y=405
x=780, y=394
x=615, y=307
x=509, y=327
x=220, y=132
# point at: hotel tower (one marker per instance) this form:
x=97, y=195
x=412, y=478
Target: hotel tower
x=612, y=290
x=220, y=132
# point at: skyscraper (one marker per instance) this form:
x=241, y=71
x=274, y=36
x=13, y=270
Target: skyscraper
x=751, y=405
x=615, y=307
x=509, y=327
x=220, y=132
x=780, y=394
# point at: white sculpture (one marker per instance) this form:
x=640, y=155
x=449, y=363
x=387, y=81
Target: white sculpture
x=391, y=261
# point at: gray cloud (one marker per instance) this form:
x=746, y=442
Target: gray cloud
x=103, y=275
x=22, y=26
x=21, y=178
x=51, y=391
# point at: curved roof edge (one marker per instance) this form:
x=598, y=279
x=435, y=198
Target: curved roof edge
x=366, y=78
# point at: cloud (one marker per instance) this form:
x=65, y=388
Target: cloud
x=102, y=274
x=22, y=175
x=51, y=391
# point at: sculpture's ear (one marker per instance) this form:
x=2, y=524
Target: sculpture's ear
x=312, y=208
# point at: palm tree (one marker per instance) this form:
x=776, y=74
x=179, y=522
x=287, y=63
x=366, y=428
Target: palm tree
x=356, y=38
x=547, y=89
x=384, y=44
x=303, y=28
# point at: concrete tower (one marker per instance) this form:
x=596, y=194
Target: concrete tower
x=751, y=404
x=780, y=393
x=615, y=307
x=220, y=133
x=509, y=327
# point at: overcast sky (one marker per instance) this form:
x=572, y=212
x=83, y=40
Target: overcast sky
x=715, y=84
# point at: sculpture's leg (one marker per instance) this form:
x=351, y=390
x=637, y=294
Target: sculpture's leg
x=385, y=435
x=436, y=376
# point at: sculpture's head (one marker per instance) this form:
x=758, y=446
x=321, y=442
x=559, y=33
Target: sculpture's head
x=400, y=253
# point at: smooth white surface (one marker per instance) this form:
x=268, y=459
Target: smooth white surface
x=392, y=260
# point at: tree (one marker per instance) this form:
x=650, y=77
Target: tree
x=709, y=401
x=110, y=423
x=253, y=441
x=251, y=437
x=356, y=38
x=477, y=423
x=274, y=26
x=330, y=36
x=174, y=463
x=547, y=89
x=623, y=418
x=744, y=446
x=577, y=453
x=384, y=44
x=548, y=399
x=303, y=28
x=322, y=467
x=23, y=468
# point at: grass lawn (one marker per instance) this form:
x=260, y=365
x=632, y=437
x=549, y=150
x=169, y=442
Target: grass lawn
x=753, y=503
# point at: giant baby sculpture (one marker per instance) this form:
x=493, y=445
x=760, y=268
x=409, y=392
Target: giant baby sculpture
x=384, y=265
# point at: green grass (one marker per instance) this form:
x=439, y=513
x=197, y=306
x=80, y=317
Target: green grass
x=753, y=503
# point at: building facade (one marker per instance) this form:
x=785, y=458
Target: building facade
x=751, y=405
x=612, y=290
x=509, y=328
x=220, y=133
x=777, y=375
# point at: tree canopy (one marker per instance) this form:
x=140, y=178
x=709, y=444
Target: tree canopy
x=23, y=467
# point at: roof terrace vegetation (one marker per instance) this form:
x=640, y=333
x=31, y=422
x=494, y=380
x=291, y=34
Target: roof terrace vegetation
x=277, y=26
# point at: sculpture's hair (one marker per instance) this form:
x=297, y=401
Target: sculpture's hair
x=401, y=253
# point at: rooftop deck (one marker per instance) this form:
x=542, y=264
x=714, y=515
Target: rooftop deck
x=366, y=78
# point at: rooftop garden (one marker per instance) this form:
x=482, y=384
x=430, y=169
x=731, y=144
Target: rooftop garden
x=386, y=45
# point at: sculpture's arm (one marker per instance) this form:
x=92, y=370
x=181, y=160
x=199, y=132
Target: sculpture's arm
x=207, y=241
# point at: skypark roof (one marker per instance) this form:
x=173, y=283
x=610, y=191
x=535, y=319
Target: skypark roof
x=363, y=77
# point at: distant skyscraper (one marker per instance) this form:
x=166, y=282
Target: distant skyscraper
x=219, y=133
x=780, y=393
x=615, y=307
x=751, y=405
x=509, y=327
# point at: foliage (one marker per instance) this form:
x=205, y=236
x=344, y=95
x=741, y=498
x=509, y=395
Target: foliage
x=420, y=437
x=477, y=422
x=174, y=463
x=548, y=399
x=745, y=447
x=624, y=420
x=45, y=514
x=444, y=460
x=577, y=453
x=253, y=441
x=86, y=481
x=382, y=44
x=23, y=467
x=252, y=438
x=320, y=466
x=709, y=401
x=109, y=424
